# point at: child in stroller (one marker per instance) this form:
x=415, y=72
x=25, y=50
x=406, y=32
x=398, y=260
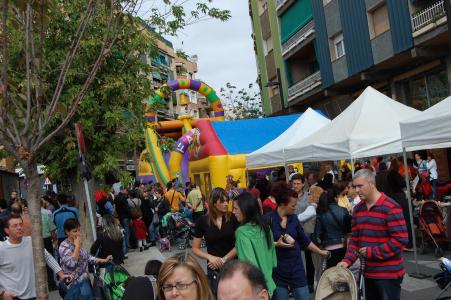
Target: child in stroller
x=174, y=226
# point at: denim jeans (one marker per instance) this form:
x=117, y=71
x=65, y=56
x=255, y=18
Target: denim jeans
x=383, y=289
x=213, y=280
x=434, y=194
x=80, y=291
x=153, y=232
x=300, y=293
x=126, y=225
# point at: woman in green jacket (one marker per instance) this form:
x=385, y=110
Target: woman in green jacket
x=254, y=242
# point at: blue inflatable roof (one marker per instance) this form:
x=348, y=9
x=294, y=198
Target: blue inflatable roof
x=246, y=136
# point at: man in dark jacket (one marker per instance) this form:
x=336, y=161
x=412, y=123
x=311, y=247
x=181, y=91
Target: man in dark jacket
x=124, y=214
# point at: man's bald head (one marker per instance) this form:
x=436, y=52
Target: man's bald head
x=240, y=280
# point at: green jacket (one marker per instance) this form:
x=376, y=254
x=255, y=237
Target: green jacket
x=251, y=246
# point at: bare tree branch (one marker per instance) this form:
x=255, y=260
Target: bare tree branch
x=69, y=57
x=4, y=86
x=106, y=49
x=28, y=25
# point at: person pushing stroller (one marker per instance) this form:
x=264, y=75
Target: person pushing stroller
x=379, y=233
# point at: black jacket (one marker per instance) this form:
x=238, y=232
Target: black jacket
x=382, y=184
x=106, y=246
x=332, y=226
x=122, y=209
x=163, y=206
x=147, y=206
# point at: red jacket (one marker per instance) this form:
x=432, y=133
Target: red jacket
x=140, y=229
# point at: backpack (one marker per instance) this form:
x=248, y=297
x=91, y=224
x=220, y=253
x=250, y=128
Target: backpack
x=115, y=280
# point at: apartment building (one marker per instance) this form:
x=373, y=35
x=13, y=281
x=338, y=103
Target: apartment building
x=333, y=49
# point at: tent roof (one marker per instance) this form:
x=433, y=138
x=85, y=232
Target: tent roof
x=272, y=154
x=245, y=136
x=429, y=129
x=368, y=127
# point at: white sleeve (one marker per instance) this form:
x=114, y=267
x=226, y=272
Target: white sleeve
x=51, y=262
x=308, y=213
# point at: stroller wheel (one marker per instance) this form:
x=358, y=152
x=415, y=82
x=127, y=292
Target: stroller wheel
x=438, y=252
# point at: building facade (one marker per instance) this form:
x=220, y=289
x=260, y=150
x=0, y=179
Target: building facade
x=333, y=49
x=268, y=53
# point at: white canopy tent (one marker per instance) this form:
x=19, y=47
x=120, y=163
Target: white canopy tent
x=430, y=129
x=272, y=154
x=368, y=127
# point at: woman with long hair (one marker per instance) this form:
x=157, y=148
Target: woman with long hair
x=218, y=228
x=290, y=237
x=109, y=241
x=333, y=223
x=181, y=277
x=254, y=242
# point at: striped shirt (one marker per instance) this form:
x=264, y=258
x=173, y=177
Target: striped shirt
x=382, y=229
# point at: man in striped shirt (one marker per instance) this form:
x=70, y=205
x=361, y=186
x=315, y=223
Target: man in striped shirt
x=379, y=233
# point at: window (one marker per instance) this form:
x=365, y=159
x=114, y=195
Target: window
x=378, y=21
x=339, y=46
x=262, y=6
x=267, y=46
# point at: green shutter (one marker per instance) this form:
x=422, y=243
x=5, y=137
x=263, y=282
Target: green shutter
x=296, y=17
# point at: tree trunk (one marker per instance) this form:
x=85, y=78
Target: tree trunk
x=34, y=207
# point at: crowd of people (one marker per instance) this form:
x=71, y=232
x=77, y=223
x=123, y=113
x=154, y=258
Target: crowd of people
x=260, y=237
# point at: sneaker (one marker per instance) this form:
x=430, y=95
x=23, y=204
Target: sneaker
x=146, y=247
x=152, y=244
x=408, y=250
x=125, y=256
x=141, y=249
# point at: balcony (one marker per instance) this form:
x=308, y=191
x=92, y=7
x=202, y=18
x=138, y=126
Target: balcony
x=299, y=37
x=283, y=5
x=304, y=86
x=428, y=17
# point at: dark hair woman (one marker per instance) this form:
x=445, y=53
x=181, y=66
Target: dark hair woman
x=74, y=260
x=290, y=237
x=218, y=228
x=254, y=242
x=333, y=223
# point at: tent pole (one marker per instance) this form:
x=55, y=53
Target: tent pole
x=417, y=273
x=352, y=167
x=285, y=166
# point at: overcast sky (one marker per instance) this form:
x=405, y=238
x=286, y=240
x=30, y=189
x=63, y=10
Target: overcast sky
x=224, y=49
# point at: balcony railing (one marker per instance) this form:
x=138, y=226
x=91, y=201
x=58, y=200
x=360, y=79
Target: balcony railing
x=298, y=38
x=304, y=86
x=428, y=15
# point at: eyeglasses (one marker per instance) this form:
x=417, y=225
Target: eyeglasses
x=179, y=286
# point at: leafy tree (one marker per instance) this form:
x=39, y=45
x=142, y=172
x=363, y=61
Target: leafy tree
x=59, y=57
x=241, y=104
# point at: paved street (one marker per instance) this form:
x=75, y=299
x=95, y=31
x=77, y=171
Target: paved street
x=412, y=288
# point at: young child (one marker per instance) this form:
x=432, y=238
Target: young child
x=140, y=230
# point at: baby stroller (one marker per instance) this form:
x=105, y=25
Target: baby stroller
x=431, y=227
x=338, y=283
x=175, y=227
x=114, y=282
x=443, y=279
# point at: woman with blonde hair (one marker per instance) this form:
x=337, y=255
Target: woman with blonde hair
x=181, y=277
x=218, y=228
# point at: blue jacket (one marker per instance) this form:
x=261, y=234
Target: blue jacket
x=60, y=216
x=290, y=268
